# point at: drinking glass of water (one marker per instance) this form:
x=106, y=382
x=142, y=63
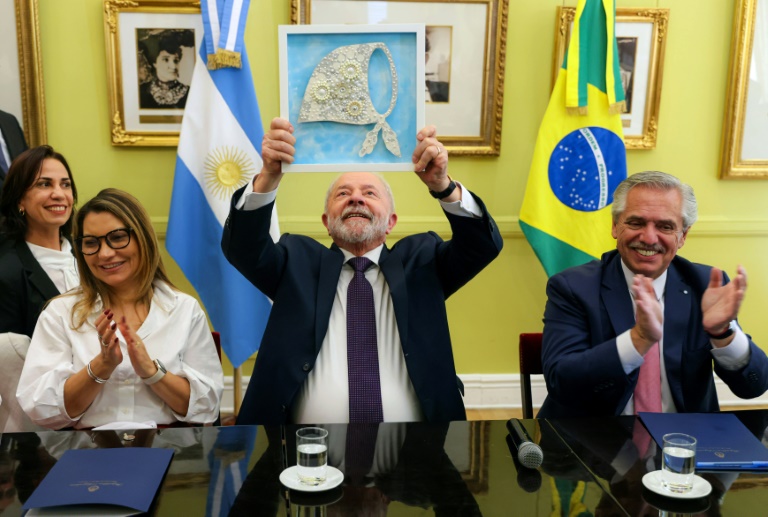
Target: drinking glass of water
x=312, y=455
x=678, y=463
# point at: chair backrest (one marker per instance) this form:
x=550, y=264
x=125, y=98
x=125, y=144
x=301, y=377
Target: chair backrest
x=530, y=364
x=13, y=352
x=217, y=342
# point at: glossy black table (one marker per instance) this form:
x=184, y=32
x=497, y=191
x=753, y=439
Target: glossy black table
x=461, y=468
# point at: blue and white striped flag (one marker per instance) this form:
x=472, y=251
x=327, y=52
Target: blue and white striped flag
x=219, y=151
x=228, y=461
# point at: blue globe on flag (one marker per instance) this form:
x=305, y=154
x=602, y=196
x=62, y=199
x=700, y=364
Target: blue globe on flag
x=586, y=167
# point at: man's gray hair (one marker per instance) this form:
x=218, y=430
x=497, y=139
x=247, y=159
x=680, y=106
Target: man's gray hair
x=387, y=188
x=659, y=181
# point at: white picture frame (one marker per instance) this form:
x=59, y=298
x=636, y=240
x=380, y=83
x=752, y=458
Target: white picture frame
x=332, y=145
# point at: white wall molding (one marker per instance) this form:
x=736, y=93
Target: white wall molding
x=503, y=391
x=499, y=391
x=712, y=227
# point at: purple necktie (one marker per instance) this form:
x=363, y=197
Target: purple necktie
x=360, y=451
x=362, y=351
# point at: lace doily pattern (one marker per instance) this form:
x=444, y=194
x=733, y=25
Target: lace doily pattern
x=168, y=94
x=338, y=91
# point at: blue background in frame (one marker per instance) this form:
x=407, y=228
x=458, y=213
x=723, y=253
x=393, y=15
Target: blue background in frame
x=334, y=142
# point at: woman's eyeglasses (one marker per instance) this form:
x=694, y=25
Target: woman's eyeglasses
x=116, y=239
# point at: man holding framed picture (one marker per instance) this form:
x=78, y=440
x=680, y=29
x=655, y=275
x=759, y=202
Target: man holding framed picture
x=357, y=332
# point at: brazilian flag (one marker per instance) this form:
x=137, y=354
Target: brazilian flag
x=580, y=157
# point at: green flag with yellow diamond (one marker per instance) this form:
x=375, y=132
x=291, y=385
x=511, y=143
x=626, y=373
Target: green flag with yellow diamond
x=580, y=156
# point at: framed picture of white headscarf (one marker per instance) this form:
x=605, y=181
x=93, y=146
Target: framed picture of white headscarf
x=745, y=125
x=465, y=55
x=354, y=95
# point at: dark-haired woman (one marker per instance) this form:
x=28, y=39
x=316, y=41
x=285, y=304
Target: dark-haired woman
x=36, y=261
x=163, y=89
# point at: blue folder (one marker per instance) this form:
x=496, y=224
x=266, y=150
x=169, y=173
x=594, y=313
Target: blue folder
x=127, y=477
x=723, y=442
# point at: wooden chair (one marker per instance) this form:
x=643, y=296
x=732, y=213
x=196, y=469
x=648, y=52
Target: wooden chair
x=530, y=364
x=217, y=342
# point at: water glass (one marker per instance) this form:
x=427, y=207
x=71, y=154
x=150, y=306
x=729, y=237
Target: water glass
x=678, y=462
x=312, y=455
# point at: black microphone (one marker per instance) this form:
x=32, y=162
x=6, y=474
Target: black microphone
x=529, y=453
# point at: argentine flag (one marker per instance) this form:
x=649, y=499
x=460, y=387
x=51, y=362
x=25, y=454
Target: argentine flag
x=219, y=151
x=228, y=463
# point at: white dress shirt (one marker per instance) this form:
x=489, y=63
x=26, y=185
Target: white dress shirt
x=324, y=396
x=731, y=357
x=60, y=266
x=175, y=332
x=386, y=454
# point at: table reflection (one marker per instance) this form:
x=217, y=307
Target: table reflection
x=592, y=467
x=619, y=452
x=407, y=464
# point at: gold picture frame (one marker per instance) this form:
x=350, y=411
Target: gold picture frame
x=469, y=118
x=31, y=72
x=644, y=32
x=745, y=125
x=131, y=28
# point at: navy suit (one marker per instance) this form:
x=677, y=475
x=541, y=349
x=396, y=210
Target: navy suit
x=13, y=136
x=589, y=305
x=24, y=288
x=300, y=275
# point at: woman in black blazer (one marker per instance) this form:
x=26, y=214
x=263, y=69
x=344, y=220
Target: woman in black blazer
x=36, y=212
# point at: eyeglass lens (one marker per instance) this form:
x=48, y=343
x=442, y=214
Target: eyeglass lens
x=116, y=239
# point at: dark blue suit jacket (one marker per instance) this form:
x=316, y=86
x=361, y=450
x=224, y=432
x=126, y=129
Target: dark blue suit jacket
x=25, y=288
x=589, y=305
x=300, y=276
x=13, y=136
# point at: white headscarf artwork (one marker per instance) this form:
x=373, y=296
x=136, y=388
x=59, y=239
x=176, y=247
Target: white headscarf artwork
x=338, y=92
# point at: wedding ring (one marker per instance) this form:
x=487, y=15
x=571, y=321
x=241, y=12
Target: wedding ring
x=105, y=344
x=439, y=150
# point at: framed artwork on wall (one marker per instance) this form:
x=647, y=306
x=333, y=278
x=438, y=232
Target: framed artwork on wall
x=464, y=63
x=641, y=35
x=745, y=126
x=354, y=94
x=151, y=47
x=21, y=84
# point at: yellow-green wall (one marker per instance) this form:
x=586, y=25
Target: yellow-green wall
x=508, y=297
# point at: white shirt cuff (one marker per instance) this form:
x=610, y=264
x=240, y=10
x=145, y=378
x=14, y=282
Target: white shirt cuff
x=464, y=207
x=626, y=457
x=736, y=354
x=250, y=200
x=628, y=355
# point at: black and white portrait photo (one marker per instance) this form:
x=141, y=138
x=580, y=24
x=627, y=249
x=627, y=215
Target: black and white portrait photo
x=437, y=70
x=166, y=58
x=627, y=53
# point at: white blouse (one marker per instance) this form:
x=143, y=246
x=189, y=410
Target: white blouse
x=60, y=266
x=175, y=332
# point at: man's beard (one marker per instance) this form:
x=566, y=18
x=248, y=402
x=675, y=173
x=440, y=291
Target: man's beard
x=357, y=230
